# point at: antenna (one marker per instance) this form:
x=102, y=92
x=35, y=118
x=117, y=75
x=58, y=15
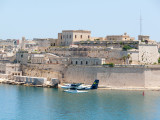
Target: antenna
x=140, y=23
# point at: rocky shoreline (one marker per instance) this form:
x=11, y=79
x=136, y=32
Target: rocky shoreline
x=13, y=82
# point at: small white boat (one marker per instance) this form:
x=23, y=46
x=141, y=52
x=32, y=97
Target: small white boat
x=75, y=91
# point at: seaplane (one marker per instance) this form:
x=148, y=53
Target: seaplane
x=76, y=88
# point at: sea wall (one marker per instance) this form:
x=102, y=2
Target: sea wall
x=114, y=77
x=152, y=77
x=48, y=71
x=109, y=77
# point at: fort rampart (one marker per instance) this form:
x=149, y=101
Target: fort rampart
x=119, y=76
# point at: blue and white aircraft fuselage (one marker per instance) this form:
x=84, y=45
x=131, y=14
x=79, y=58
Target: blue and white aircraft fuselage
x=80, y=86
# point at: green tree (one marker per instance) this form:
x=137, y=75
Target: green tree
x=159, y=60
x=126, y=47
x=124, y=59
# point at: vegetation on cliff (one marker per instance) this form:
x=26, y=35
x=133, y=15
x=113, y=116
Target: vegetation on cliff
x=110, y=64
x=159, y=60
x=126, y=47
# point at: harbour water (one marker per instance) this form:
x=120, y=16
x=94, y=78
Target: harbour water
x=31, y=103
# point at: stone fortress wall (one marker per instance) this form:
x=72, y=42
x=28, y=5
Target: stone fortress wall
x=48, y=71
x=116, y=77
x=148, y=53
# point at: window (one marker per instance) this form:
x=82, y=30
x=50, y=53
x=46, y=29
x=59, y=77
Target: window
x=81, y=36
x=70, y=36
x=81, y=62
x=88, y=36
x=61, y=37
x=62, y=75
x=76, y=62
x=67, y=36
x=86, y=62
x=71, y=62
x=75, y=36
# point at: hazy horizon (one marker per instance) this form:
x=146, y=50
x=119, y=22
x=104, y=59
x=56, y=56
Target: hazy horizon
x=46, y=18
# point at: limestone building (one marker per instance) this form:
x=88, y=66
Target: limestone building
x=143, y=37
x=86, y=61
x=123, y=37
x=148, y=53
x=44, y=43
x=67, y=37
x=9, y=68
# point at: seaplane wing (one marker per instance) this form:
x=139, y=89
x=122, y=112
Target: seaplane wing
x=68, y=86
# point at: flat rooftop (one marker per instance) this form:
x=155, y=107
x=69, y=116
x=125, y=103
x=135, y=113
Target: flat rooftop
x=82, y=31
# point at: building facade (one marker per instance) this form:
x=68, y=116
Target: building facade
x=67, y=37
x=123, y=37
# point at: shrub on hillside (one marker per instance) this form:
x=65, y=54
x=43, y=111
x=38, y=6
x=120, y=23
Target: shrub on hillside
x=126, y=47
x=110, y=64
x=159, y=60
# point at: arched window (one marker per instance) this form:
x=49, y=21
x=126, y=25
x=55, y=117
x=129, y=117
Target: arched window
x=81, y=62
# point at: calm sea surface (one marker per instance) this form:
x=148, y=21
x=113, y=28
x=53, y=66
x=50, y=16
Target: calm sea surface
x=30, y=103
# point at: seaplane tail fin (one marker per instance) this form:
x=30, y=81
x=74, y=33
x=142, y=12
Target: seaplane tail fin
x=95, y=84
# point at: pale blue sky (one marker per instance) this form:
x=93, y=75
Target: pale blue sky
x=45, y=18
